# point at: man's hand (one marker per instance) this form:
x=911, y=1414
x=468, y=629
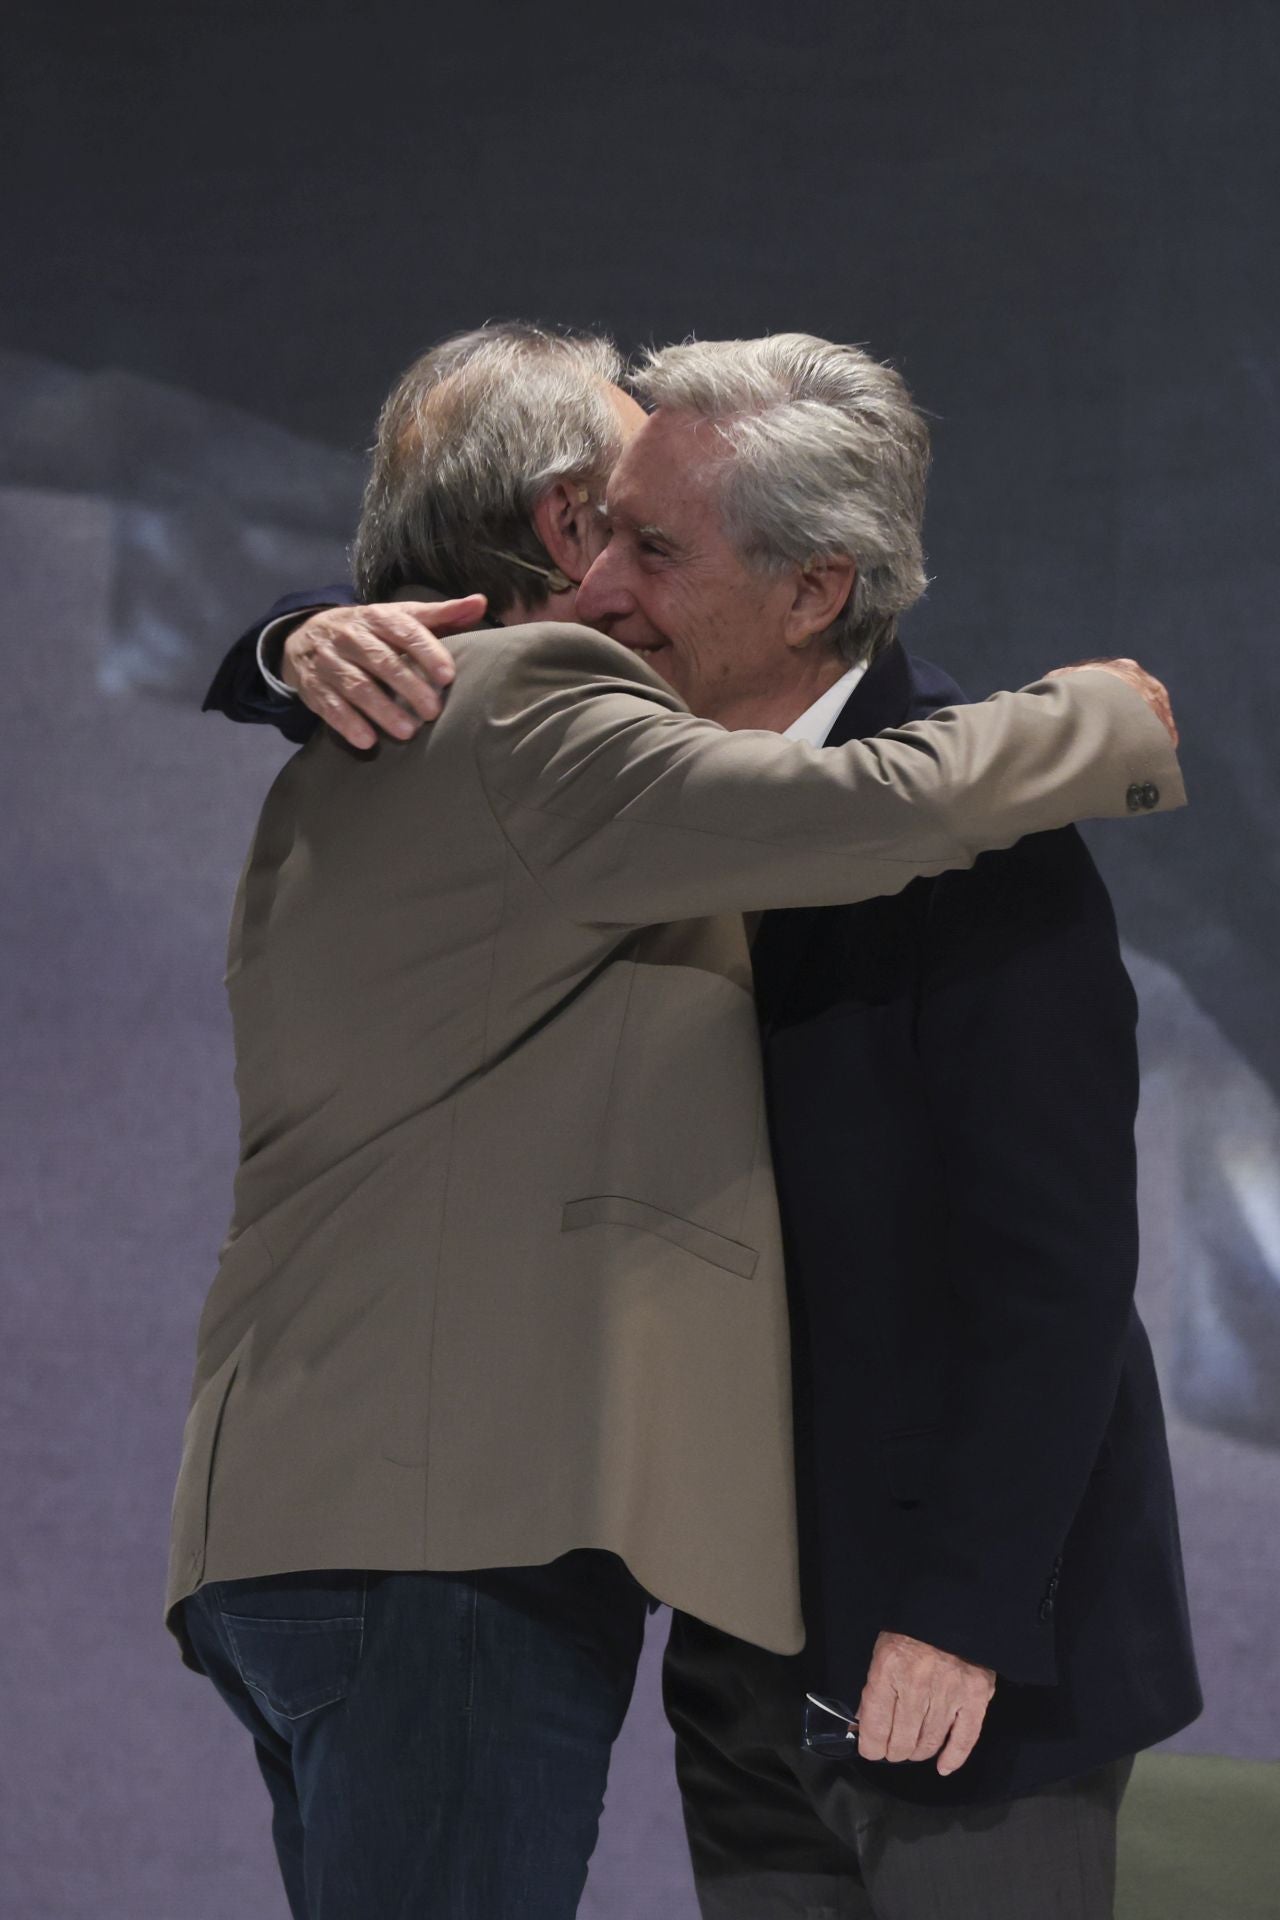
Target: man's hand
x=919, y=1701
x=353, y=665
x=1153, y=692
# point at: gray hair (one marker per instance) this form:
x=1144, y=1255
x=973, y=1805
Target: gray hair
x=825, y=455
x=471, y=437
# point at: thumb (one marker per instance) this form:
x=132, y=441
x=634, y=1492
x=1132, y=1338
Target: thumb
x=448, y=616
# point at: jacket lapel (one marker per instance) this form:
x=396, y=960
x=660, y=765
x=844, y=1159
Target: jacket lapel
x=882, y=698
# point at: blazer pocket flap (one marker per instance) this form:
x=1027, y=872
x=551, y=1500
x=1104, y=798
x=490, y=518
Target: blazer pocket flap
x=615, y=1210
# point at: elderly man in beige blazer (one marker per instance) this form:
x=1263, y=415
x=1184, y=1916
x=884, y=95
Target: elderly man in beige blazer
x=497, y=1349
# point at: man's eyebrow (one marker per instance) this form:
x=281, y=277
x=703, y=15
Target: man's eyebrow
x=622, y=515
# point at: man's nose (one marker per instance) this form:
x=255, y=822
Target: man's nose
x=603, y=594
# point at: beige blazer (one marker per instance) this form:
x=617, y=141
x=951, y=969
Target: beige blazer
x=504, y=1276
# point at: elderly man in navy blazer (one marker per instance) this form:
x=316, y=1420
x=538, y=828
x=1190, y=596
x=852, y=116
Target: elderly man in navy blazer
x=983, y=1468
x=991, y=1572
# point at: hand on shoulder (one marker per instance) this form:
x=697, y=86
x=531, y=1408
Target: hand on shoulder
x=361, y=669
x=1145, y=684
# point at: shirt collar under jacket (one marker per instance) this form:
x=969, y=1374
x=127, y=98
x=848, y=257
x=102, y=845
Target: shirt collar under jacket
x=816, y=722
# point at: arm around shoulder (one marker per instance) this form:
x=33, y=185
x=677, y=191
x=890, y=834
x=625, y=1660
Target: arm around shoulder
x=240, y=690
x=630, y=810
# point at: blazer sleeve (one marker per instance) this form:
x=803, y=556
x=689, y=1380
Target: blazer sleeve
x=1027, y=1046
x=629, y=811
x=238, y=688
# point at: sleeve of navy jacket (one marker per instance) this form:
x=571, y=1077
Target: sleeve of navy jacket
x=238, y=689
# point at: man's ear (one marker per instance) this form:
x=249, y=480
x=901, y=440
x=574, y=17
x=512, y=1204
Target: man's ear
x=567, y=523
x=822, y=592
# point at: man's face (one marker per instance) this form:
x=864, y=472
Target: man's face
x=670, y=586
x=631, y=418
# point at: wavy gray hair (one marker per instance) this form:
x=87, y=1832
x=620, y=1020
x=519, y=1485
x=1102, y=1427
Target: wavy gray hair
x=469, y=439
x=825, y=455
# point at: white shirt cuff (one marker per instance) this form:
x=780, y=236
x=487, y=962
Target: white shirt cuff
x=287, y=620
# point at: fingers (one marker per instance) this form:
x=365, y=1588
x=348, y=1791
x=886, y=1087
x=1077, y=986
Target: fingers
x=413, y=630
x=447, y=616
x=889, y=1723
x=875, y=1718
x=367, y=669
x=919, y=1701
x=919, y=1726
x=1155, y=694
x=343, y=719
x=962, y=1738
x=935, y=1724
x=1164, y=712
x=349, y=673
x=904, y=1735
x=378, y=667
x=345, y=698
x=1153, y=691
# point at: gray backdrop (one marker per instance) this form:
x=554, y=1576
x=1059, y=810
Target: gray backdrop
x=235, y=231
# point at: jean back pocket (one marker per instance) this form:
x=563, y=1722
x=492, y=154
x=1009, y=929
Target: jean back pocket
x=296, y=1638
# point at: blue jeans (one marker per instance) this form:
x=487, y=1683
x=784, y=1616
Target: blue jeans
x=436, y=1745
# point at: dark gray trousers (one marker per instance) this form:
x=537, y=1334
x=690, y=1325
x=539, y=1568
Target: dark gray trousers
x=780, y=1834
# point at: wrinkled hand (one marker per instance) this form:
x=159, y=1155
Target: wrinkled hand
x=386, y=664
x=1152, y=690
x=919, y=1701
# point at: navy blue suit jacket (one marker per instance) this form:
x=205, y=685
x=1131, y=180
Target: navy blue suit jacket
x=952, y=1079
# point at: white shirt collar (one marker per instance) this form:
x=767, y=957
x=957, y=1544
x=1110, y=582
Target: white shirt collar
x=816, y=722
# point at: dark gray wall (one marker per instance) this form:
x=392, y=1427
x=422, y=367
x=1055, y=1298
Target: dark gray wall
x=233, y=229
x=1060, y=220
